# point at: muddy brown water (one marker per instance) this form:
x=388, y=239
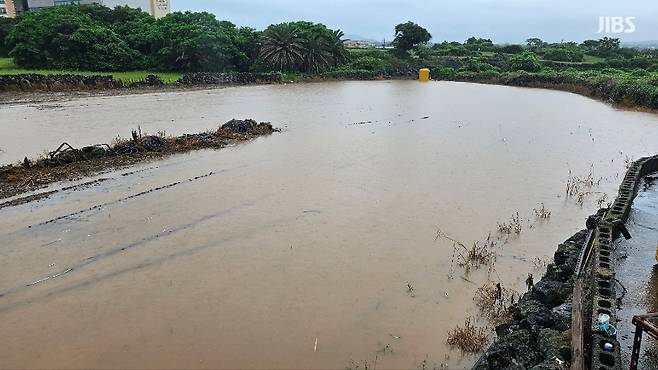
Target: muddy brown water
x=297, y=250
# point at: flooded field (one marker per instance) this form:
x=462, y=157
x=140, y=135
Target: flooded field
x=295, y=250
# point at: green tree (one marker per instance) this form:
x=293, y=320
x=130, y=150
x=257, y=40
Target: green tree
x=302, y=46
x=535, y=43
x=282, y=47
x=511, y=49
x=317, y=53
x=67, y=38
x=247, y=41
x=94, y=47
x=526, y=61
x=408, y=35
x=195, y=42
x=6, y=24
x=607, y=46
x=133, y=26
x=336, y=44
x=479, y=44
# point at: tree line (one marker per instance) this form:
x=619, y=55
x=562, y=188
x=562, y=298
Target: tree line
x=97, y=38
x=94, y=37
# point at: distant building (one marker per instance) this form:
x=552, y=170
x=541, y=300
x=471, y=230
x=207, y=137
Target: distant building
x=7, y=8
x=358, y=44
x=157, y=8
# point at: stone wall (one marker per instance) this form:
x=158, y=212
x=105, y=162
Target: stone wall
x=239, y=78
x=539, y=334
x=603, y=287
x=57, y=82
x=72, y=82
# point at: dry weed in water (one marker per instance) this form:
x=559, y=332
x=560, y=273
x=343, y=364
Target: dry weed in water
x=469, y=338
x=542, y=212
x=601, y=200
x=540, y=263
x=481, y=253
x=494, y=301
x=513, y=226
x=580, y=186
x=356, y=366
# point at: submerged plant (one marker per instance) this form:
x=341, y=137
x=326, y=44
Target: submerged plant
x=469, y=338
x=480, y=253
x=494, y=301
x=542, y=212
x=580, y=187
x=513, y=226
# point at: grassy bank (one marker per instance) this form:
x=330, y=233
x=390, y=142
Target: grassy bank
x=7, y=67
x=593, y=76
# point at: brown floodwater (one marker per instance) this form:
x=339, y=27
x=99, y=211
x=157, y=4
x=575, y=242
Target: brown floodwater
x=297, y=250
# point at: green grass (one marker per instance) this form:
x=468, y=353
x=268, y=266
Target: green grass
x=7, y=67
x=593, y=59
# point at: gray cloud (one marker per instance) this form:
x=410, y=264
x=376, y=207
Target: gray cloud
x=500, y=20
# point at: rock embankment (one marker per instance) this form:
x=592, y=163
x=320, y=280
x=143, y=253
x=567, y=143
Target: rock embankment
x=55, y=82
x=538, y=336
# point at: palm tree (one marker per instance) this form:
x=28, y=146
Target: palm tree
x=339, y=53
x=282, y=47
x=317, y=55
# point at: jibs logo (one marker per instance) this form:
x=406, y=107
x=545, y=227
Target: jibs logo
x=616, y=24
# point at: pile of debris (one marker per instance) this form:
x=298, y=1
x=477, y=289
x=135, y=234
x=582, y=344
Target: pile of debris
x=67, y=162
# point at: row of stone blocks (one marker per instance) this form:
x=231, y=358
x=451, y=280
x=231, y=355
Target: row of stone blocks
x=603, y=282
x=73, y=82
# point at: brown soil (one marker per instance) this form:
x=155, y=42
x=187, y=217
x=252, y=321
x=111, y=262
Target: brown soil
x=69, y=163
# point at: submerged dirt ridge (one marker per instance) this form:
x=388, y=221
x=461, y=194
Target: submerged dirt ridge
x=69, y=163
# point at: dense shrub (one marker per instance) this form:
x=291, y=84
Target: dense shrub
x=564, y=54
x=512, y=49
x=95, y=37
x=67, y=38
x=367, y=63
x=6, y=25
x=526, y=61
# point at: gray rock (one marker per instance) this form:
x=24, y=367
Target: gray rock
x=531, y=313
x=550, y=364
x=549, y=292
x=562, y=315
x=515, y=351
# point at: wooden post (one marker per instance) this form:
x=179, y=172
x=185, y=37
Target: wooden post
x=637, y=344
x=577, y=355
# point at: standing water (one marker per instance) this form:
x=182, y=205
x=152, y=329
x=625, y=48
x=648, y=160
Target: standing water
x=299, y=250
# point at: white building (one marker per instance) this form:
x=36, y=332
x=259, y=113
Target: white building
x=358, y=44
x=156, y=8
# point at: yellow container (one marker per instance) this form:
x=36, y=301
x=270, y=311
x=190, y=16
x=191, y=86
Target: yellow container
x=424, y=74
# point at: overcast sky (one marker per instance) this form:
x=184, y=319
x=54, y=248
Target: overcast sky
x=504, y=21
